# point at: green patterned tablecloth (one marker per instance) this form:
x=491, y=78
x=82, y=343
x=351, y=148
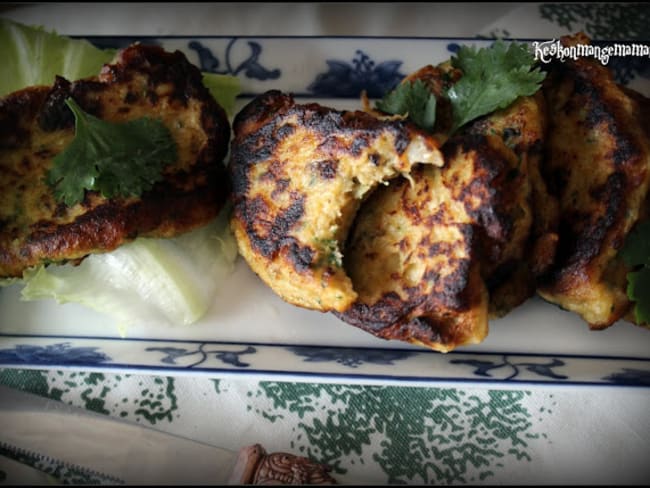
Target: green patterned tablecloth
x=386, y=434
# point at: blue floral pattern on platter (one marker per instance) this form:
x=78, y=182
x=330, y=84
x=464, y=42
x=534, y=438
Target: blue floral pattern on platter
x=201, y=354
x=349, y=363
x=52, y=354
x=343, y=78
x=348, y=79
x=351, y=357
x=483, y=367
x=630, y=376
x=250, y=66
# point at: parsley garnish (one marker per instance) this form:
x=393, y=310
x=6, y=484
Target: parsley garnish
x=492, y=78
x=413, y=99
x=115, y=159
x=636, y=254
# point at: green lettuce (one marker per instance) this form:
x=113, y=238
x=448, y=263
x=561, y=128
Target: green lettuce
x=169, y=281
x=148, y=281
x=33, y=56
x=224, y=89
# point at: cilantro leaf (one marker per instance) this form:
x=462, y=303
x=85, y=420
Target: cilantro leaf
x=638, y=290
x=116, y=159
x=636, y=254
x=413, y=99
x=636, y=250
x=492, y=79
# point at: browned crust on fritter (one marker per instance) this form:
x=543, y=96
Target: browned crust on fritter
x=444, y=304
x=299, y=172
x=144, y=80
x=534, y=211
x=598, y=164
x=509, y=219
x=259, y=129
x=419, y=249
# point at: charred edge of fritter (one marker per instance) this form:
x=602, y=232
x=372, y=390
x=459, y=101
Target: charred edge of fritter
x=582, y=235
x=154, y=63
x=161, y=67
x=56, y=115
x=495, y=219
x=258, y=128
x=438, y=323
x=164, y=212
x=449, y=291
x=262, y=124
x=495, y=223
x=449, y=294
x=268, y=236
x=16, y=108
x=442, y=331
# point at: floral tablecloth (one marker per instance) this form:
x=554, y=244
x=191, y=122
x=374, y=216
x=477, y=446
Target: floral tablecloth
x=459, y=433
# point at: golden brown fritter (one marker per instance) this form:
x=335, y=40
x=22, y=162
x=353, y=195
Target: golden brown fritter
x=410, y=258
x=299, y=173
x=598, y=163
x=435, y=257
x=419, y=250
x=530, y=248
x=36, y=125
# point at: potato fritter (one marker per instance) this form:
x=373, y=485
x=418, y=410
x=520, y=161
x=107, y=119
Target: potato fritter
x=433, y=258
x=598, y=164
x=421, y=253
x=36, y=125
x=529, y=249
x=299, y=173
x=411, y=255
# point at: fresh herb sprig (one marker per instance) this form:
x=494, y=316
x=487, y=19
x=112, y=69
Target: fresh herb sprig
x=636, y=255
x=414, y=100
x=492, y=78
x=115, y=159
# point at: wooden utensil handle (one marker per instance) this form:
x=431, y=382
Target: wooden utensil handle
x=254, y=466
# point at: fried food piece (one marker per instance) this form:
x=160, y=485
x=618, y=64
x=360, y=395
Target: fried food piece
x=410, y=260
x=598, y=163
x=529, y=251
x=299, y=173
x=36, y=125
x=434, y=258
x=417, y=249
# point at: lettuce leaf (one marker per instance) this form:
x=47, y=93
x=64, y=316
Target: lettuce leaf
x=224, y=89
x=148, y=281
x=33, y=56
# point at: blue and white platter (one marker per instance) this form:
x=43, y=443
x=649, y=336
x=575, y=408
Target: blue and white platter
x=251, y=332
